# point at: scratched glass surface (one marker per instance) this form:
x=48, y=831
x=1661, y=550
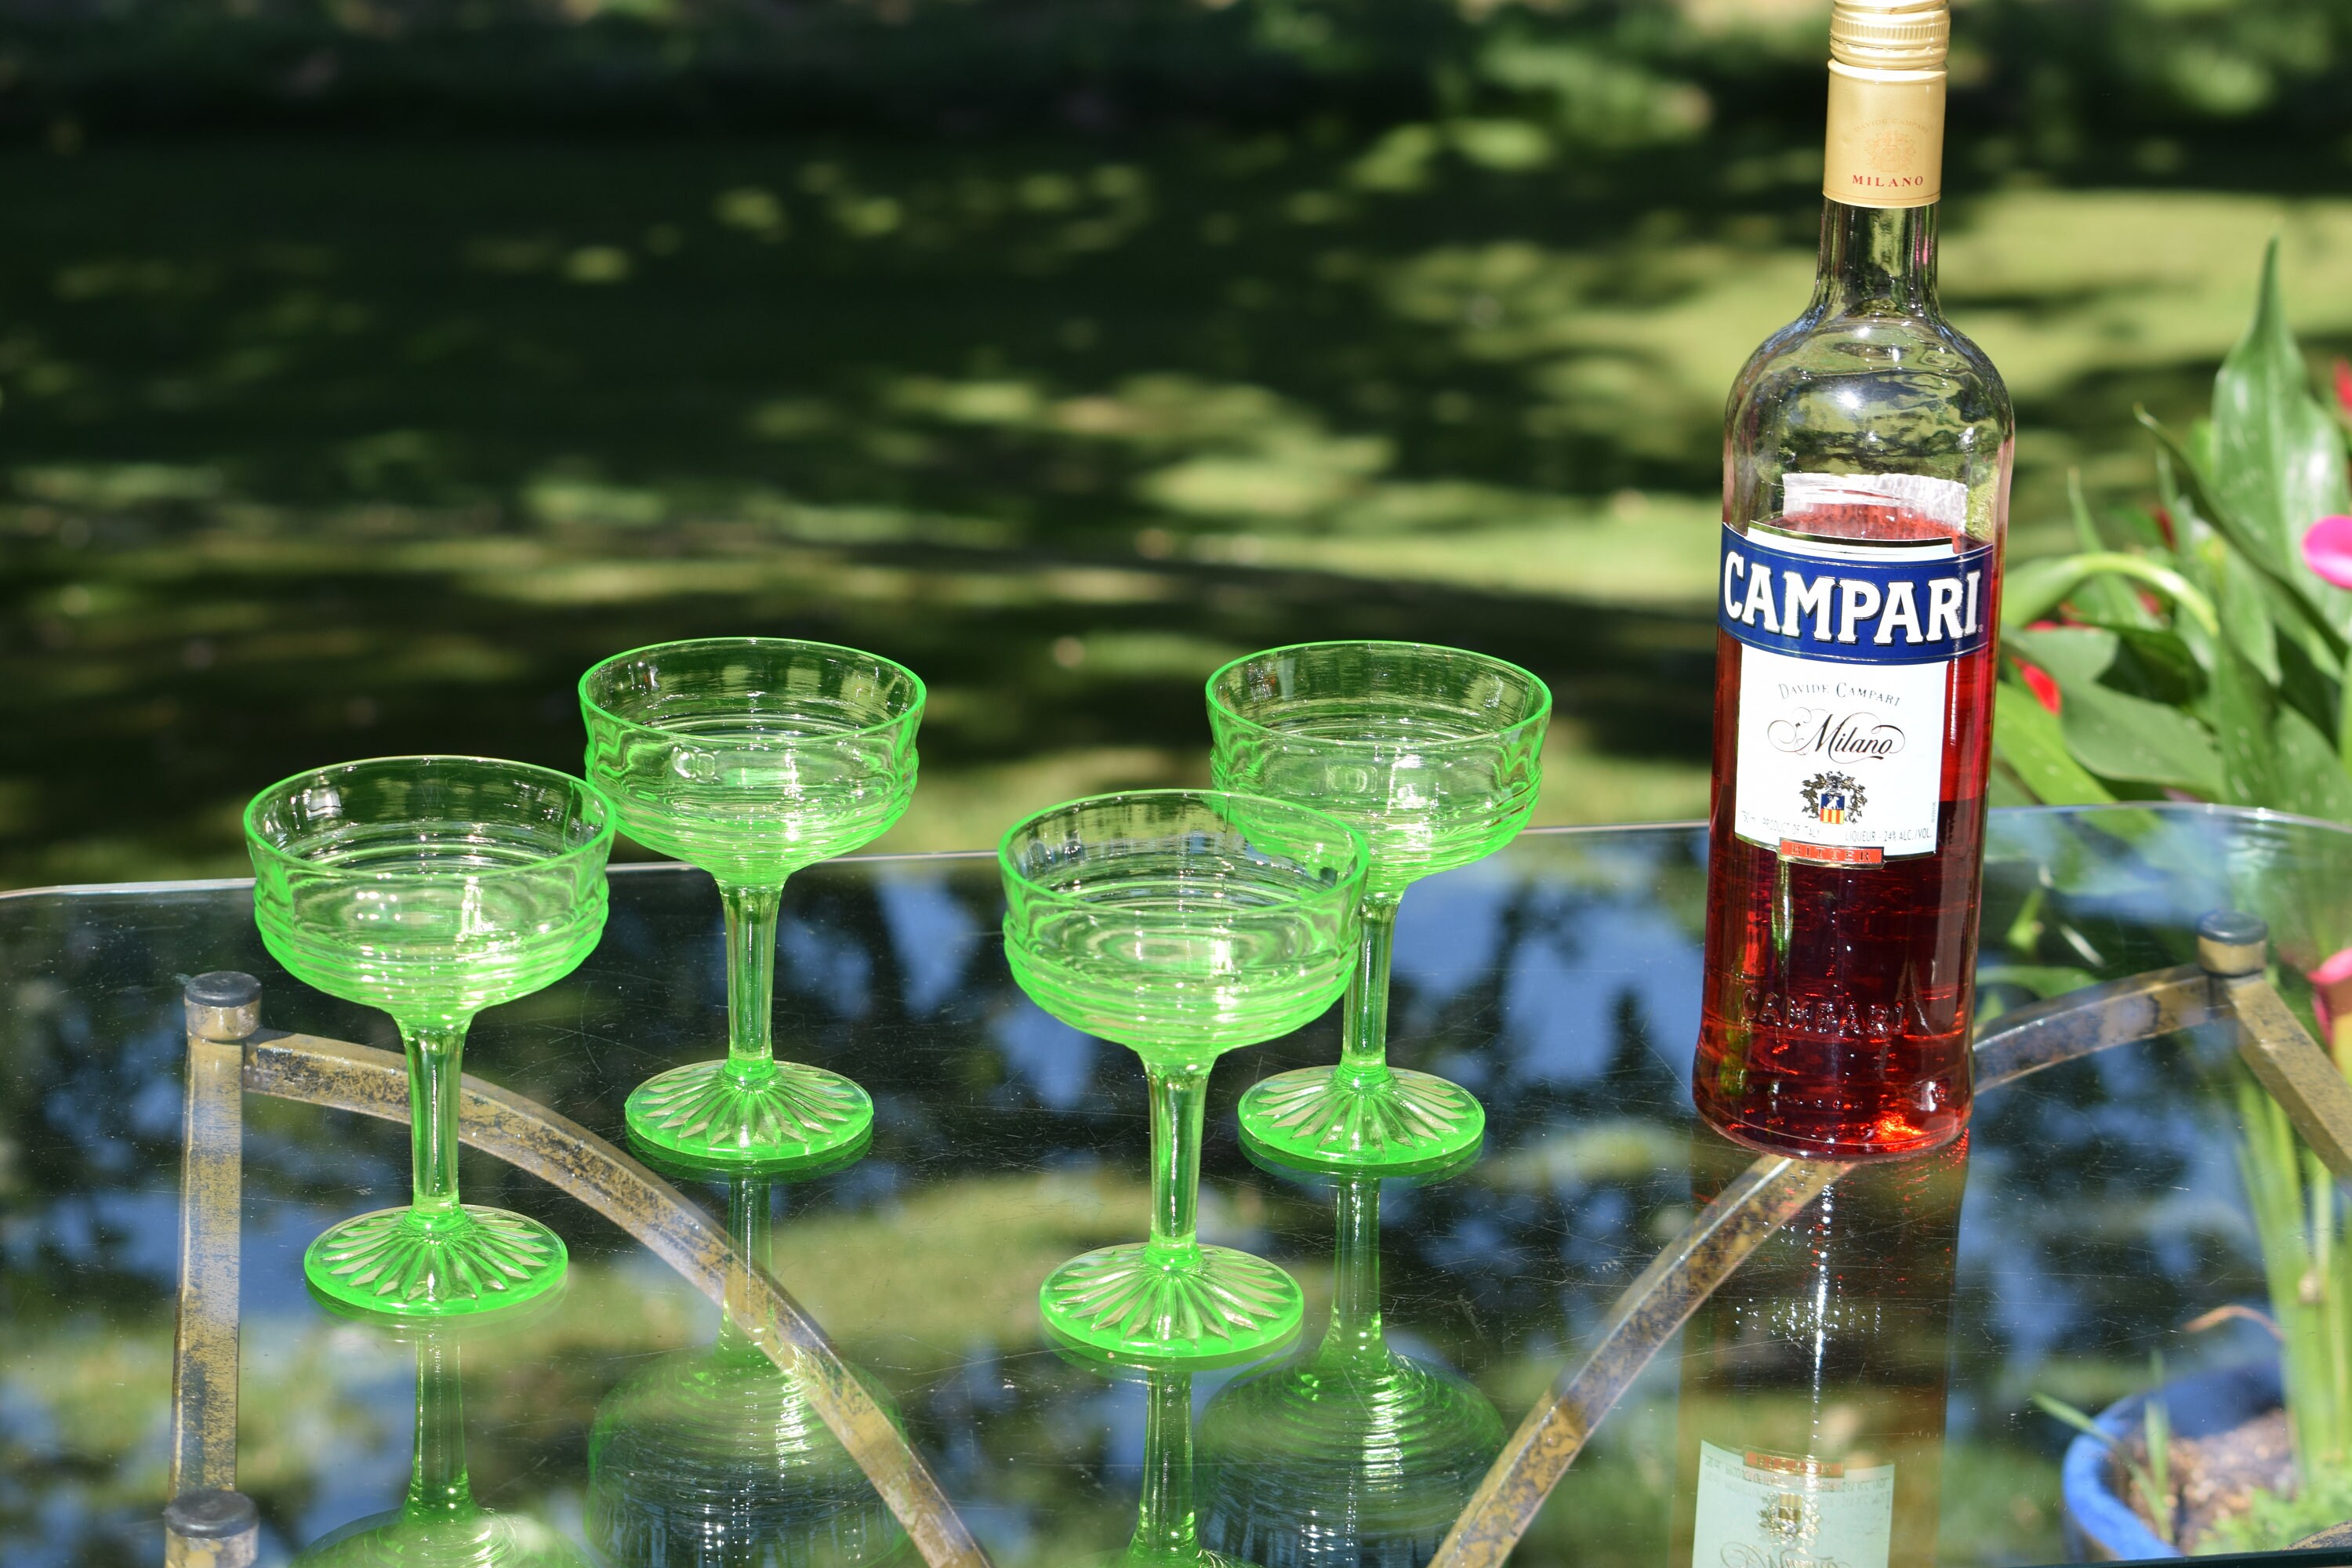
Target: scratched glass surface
x=1557, y=980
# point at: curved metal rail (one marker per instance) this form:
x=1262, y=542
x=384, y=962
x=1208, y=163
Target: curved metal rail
x=531, y=1137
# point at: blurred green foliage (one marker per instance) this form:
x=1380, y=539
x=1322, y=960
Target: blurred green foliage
x=367, y=369
x=2060, y=75
x=2192, y=651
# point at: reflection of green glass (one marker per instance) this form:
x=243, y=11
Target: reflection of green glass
x=1351, y=1455
x=1167, y=1525
x=751, y=757
x=1179, y=923
x=432, y=888
x=715, y=1458
x=1436, y=756
x=439, y=1524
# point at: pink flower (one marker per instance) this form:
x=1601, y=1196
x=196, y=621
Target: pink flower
x=2327, y=549
x=2343, y=386
x=2331, y=991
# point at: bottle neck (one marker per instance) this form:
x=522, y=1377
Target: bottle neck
x=1876, y=261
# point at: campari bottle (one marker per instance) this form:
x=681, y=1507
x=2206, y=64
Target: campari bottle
x=1865, y=497
x=1810, y=1426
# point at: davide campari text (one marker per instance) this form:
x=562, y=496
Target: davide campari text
x=1866, y=462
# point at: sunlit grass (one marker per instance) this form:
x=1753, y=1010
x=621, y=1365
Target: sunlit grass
x=296, y=474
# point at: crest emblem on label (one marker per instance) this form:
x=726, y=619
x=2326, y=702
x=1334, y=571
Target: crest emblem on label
x=1790, y=1517
x=1833, y=798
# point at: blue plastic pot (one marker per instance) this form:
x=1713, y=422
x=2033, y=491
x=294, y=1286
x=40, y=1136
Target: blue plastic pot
x=2100, y=1525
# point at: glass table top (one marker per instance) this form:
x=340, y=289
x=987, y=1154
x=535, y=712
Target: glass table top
x=2094, y=1212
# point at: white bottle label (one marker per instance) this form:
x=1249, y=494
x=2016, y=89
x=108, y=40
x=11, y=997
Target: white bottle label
x=1847, y=648
x=1761, y=1511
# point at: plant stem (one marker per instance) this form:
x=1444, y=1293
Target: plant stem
x=1164, y=1526
x=435, y=1065
x=1180, y=1091
x=2321, y=1182
x=437, y=1482
x=751, y=979
x=1364, y=1040
x=1354, y=1337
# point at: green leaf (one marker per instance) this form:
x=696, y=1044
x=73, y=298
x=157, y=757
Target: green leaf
x=2246, y=614
x=2140, y=524
x=2295, y=623
x=2343, y=718
x=2112, y=733
x=2278, y=458
x=2101, y=598
x=2044, y=980
x=2031, y=589
x=2155, y=664
x=2305, y=686
x=2026, y=736
x=2072, y=655
x=2051, y=1405
x=2240, y=705
x=2312, y=782
x=2192, y=488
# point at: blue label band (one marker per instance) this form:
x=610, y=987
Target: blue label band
x=1854, y=611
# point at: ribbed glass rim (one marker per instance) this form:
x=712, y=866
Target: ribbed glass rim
x=599, y=844
x=1359, y=847
x=913, y=708
x=1542, y=710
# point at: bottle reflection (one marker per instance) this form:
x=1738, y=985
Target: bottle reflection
x=1811, y=1421
x=439, y=1524
x=1350, y=1454
x=713, y=1457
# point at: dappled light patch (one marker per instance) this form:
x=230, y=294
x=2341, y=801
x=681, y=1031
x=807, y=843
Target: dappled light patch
x=571, y=498
x=1290, y=475
x=87, y=280
x=107, y=485
x=1596, y=96
x=598, y=264
x=753, y=209
x=1236, y=389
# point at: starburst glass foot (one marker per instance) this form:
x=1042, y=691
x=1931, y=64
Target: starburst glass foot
x=706, y=1114
x=471, y=1259
x=1324, y=1119
x=1127, y=1302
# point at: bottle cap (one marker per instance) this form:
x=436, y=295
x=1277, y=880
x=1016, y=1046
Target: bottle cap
x=1890, y=35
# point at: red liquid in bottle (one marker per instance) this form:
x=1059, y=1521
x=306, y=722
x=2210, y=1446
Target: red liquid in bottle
x=1835, y=1018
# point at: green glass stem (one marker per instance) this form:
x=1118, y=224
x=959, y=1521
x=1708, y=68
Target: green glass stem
x=437, y=1483
x=1354, y=1338
x=1166, y=1524
x=751, y=979
x=1180, y=1093
x=437, y=1053
x=750, y=1226
x=1364, y=1040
